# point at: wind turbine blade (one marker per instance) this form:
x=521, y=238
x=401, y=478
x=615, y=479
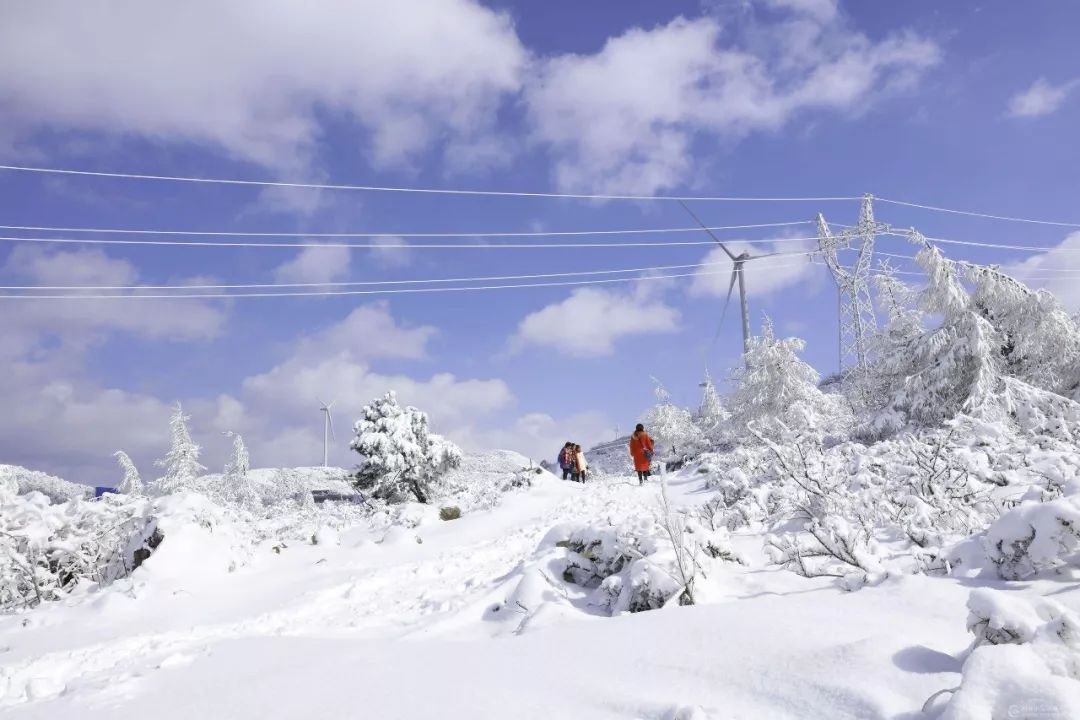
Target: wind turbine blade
x=727, y=301
x=322, y=405
x=330, y=417
x=706, y=229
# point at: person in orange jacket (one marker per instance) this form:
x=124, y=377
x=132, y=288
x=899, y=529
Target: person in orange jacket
x=641, y=449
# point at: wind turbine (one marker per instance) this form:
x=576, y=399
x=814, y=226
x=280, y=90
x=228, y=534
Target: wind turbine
x=328, y=431
x=738, y=261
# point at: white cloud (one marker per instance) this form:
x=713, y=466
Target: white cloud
x=820, y=9
x=74, y=324
x=252, y=76
x=591, y=320
x=315, y=264
x=388, y=252
x=626, y=118
x=1044, y=267
x=1042, y=98
x=763, y=277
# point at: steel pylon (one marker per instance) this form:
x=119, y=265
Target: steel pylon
x=857, y=320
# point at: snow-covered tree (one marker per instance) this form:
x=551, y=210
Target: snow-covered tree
x=671, y=427
x=711, y=411
x=131, y=484
x=400, y=457
x=1040, y=340
x=776, y=387
x=950, y=369
x=238, y=488
x=181, y=463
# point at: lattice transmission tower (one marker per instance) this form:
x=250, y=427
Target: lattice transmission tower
x=857, y=320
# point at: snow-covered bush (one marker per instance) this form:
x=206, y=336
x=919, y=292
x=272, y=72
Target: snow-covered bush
x=1035, y=537
x=400, y=458
x=56, y=489
x=49, y=550
x=1024, y=661
x=644, y=562
x=481, y=480
x=181, y=464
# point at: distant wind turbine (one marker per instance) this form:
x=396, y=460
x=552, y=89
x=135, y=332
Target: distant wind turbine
x=736, y=274
x=328, y=430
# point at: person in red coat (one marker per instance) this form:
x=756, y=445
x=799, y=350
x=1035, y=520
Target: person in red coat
x=641, y=449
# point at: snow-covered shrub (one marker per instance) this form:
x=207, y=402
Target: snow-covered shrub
x=481, y=480
x=181, y=463
x=829, y=546
x=56, y=489
x=644, y=562
x=777, y=391
x=1035, y=537
x=1024, y=662
x=400, y=458
x=132, y=484
x=49, y=550
x=625, y=564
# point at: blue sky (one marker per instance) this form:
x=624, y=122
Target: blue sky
x=957, y=104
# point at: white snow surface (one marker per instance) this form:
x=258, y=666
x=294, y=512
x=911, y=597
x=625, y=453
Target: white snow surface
x=414, y=617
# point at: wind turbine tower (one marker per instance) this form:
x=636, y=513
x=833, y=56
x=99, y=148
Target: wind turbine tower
x=328, y=430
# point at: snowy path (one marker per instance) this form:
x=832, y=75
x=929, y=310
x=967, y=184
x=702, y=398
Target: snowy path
x=354, y=630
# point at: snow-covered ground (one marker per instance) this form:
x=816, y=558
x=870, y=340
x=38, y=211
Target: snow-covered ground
x=469, y=618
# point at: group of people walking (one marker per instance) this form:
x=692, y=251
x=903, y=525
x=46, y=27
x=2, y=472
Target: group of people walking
x=572, y=462
x=574, y=466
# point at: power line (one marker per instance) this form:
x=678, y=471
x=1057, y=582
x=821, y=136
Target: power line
x=393, y=291
x=430, y=191
x=999, y=246
x=544, y=233
x=422, y=281
x=389, y=246
x=977, y=214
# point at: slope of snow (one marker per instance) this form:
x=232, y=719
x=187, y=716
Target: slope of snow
x=465, y=619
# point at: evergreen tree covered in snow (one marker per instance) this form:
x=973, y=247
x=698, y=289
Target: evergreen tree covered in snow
x=711, y=412
x=182, y=461
x=1040, y=341
x=131, y=484
x=238, y=488
x=776, y=387
x=671, y=427
x=951, y=369
x=400, y=457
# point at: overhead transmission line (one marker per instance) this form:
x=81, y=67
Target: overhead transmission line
x=538, y=233
x=421, y=190
x=999, y=246
x=421, y=281
x=325, y=293
x=972, y=213
x=389, y=246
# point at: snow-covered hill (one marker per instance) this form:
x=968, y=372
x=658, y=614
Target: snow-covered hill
x=398, y=614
